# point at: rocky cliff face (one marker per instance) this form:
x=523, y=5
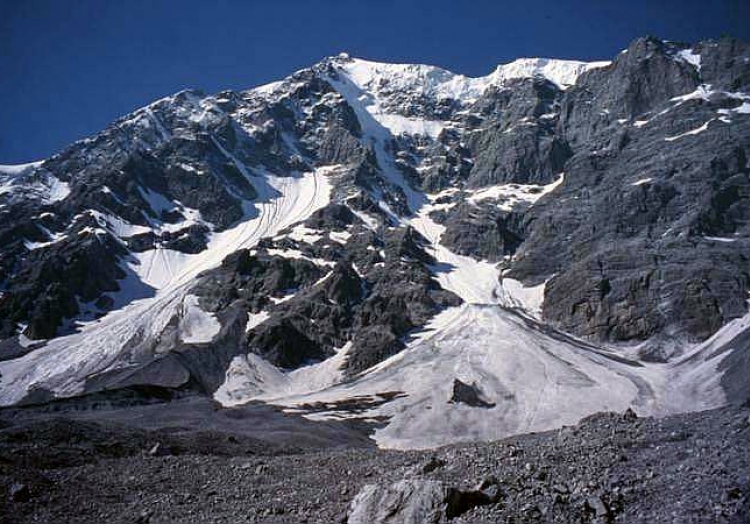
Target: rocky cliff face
x=653, y=210
x=214, y=240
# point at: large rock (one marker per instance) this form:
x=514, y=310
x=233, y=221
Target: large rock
x=415, y=501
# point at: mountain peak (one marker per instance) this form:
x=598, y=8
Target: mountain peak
x=563, y=73
x=320, y=222
x=439, y=82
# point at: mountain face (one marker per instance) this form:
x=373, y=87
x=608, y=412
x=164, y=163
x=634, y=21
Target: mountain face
x=448, y=258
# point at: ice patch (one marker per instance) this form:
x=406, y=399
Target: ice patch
x=248, y=376
x=56, y=189
x=158, y=267
x=17, y=169
x=370, y=222
x=267, y=89
x=158, y=202
x=197, y=326
x=398, y=124
x=529, y=298
x=116, y=225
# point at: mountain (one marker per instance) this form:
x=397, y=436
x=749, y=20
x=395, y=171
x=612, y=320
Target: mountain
x=445, y=258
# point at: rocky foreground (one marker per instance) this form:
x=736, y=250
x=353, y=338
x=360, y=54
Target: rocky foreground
x=611, y=467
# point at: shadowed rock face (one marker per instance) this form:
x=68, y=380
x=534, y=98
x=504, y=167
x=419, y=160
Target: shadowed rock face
x=50, y=283
x=646, y=234
x=518, y=142
x=331, y=307
x=482, y=231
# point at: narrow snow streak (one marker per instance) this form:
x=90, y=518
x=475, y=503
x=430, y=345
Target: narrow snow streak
x=688, y=133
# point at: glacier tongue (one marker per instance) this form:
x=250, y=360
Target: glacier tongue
x=532, y=378
x=129, y=337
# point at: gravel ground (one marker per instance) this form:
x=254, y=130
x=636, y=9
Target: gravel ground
x=609, y=468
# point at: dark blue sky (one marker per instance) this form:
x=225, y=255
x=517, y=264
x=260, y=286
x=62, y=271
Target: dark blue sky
x=68, y=68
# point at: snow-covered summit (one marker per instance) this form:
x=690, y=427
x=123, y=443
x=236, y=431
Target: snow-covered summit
x=564, y=73
x=376, y=77
x=17, y=169
x=417, y=78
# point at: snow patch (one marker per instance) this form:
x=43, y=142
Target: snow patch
x=513, y=195
x=197, y=326
x=691, y=57
x=250, y=376
x=342, y=237
x=702, y=92
x=296, y=253
x=688, y=133
x=256, y=319
x=302, y=233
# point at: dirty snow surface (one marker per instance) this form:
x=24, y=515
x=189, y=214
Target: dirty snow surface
x=532, y=377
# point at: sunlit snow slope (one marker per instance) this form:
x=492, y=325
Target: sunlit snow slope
x=132, y=335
